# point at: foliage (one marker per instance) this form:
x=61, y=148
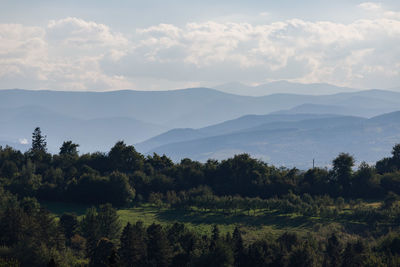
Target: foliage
x=230, y=197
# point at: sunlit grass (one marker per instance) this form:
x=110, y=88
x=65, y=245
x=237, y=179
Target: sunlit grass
x=253, y=225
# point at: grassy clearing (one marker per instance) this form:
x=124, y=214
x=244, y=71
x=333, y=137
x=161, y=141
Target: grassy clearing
x=264, y=223
x=254, y=227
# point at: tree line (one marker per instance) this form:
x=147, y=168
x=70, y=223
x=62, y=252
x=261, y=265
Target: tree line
x=31, y=236
x=123, y=176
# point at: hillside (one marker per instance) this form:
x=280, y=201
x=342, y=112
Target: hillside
x=282, y=87
x=239, y=124
x=135, y=116
x=297, y=143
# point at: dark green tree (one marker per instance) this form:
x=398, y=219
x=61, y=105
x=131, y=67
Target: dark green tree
x=221, y=255
x=333, y=252
x=39, y=143
x=69, y=149
x=342, y=171
x=133, y=246
x=238, y=247
x=69, y=223
x=90, y=226
x=215, y=236
x=389, y=200
x=103, y=253
x=8, y=169
x=396, y=152
x=125, y=158
x=354, y=254
x=120, y=189
x=109, y=223
x=158, y=248
x=303, y=256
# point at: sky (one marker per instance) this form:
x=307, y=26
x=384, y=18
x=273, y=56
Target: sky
x=102, y=45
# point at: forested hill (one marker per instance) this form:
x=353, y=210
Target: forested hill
x=344, y=216
x=283, y=139
x=123, y=174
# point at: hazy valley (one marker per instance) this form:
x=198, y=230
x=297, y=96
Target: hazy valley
x=203, y=123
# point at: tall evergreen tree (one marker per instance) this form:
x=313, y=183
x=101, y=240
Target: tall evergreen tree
x=215, y=236
x=133, y=245
x=90, y=226
x=238, y=247
x=39, y=143
x=109, y=223
x=103, y=254
x=158, y=249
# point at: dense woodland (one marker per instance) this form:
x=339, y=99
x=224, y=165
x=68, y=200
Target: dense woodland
x=32, y=236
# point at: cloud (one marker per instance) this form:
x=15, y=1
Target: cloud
x=74, y=54
x=78, y=33
x=329, y=52
x=23, y=141
x=371, y=6
x=379, y=10
x=65, y=55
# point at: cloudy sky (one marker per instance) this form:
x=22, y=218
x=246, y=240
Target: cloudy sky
x=104, y=45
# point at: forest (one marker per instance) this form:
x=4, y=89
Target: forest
x=361, y=201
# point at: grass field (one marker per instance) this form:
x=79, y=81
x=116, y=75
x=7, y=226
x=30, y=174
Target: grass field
x=254, y=227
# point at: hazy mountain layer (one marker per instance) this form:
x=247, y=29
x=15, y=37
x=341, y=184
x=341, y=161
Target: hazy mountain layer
x=91, y=134
x=284, y=87
x=298, y=142
x=194, y=108
x=239, y=124
x=97, y=120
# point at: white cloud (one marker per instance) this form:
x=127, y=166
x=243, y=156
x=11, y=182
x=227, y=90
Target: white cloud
x=378, y=10
x=370, y=6
x=74, y=54
x=23, y=141
x=84, y=34
x=330, y=52
x=65, y=55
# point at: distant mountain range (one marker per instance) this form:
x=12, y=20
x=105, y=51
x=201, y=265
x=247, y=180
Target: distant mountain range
x=288, y=140
x=96, y=120
x=92, y=134
x=282, y=87
x=227, y=127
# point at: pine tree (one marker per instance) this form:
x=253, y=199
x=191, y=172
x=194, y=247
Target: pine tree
x=103, y=254
x=39, y=143
x=158, y=249
x=238, y=247
x=109, y=224
x=133, y=246
x=215, y=236
x=90, y=229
